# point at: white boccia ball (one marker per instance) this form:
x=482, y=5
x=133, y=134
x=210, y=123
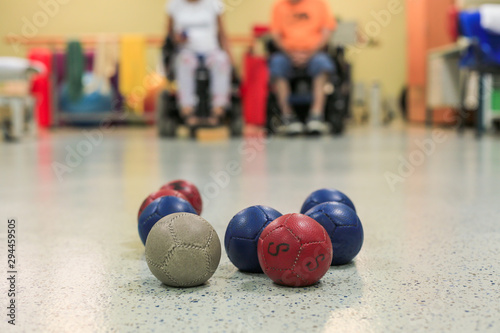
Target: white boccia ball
x=183, y=250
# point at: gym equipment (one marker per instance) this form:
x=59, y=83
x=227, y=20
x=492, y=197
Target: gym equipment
x=157, y=210
x=325, y=195
x=344, y=228
x=158, y=194
x=189, y=190
x=294, y=250
x=242, y=235
x=183, y=250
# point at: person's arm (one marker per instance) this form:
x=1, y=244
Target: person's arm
x=223, y=39
x=329, y=25
x=177, y=38
x=170, y=25
x=278, y=41
x=276, y=29
x=325, y=38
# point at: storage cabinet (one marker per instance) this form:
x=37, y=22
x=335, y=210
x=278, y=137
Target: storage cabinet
x=427, y=28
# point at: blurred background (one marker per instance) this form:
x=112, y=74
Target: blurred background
x=421, y=61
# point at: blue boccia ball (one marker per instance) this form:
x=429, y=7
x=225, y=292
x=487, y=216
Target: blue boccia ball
x=242, y=236
x=158, y=209
x=344, y=228
x=325, y=195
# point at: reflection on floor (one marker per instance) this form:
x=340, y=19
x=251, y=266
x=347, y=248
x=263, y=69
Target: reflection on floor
x=429, y=205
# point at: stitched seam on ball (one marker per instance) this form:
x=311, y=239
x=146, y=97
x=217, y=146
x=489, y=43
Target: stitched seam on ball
x=169, y=254
x=315, y=202
x=150, y=217
x=171, y=278
x=207, y=265
x=265, y=261
x=194, y=247
x=171, y=228
x=297, y=275
x=294, y=235
x=209, y=261
x=211, y=236
x=300, y=277
x=203, y=277
x=296, y=259
x=279, y=270
x=337, y=226
x=161, y=268
x=242, y=238
x=293, y=268
x=262, y=228
x=207, y=257
x=286, y=220
x=150, y=262
x=312, y=243
x=269, y=234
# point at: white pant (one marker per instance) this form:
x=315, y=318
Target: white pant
x=220, y=77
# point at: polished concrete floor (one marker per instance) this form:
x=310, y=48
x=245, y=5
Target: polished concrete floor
x=429, y=203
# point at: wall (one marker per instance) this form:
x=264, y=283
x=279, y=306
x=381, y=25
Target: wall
x=385, y=62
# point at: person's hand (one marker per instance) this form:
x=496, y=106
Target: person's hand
x=300, y=58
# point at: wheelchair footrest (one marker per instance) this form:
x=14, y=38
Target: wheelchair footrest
x=213, y=134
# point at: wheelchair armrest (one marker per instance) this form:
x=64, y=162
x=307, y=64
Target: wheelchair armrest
x=235, y=78
x=271, y=46
x=168, y=51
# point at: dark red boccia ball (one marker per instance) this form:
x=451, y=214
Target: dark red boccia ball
x=294, y=250
x=189, y=190
x=158, y=194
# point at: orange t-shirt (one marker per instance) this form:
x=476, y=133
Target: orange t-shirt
x=301, y=24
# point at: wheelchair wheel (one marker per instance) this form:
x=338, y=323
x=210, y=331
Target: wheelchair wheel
x=8, y=137
x=167, y=125
x=273, y=115
x=236, y=120
x=167, y=128
x=336, y=115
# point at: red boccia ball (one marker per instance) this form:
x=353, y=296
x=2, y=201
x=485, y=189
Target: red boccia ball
x=294, y=250
x=158, y=194
x=189, y=190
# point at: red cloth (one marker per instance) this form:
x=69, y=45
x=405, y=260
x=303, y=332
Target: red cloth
x=255, y=90
x=41, y=87
x=453, y=22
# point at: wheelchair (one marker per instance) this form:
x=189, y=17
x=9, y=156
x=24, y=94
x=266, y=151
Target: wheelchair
x=338, y=91
x=168, y=110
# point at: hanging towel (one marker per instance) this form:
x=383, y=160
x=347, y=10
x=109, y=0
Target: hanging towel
x=42, y=88
x=105, y=63
x=133, y=71
x=490, y=18
x=106, y=57
x=75, y=66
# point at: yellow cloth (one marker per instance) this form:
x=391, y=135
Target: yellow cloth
x=133, y=71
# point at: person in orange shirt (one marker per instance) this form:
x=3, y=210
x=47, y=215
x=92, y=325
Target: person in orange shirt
x=301, y=30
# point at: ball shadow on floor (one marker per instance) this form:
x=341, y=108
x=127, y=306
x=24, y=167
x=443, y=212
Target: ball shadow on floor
x=346, y=284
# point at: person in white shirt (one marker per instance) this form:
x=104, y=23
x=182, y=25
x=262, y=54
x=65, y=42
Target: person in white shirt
x=197, y=29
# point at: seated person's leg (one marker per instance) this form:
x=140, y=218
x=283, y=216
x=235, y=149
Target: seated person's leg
x=220, y=76
x=185, y=66
x=320, y=67
x=280, y=67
